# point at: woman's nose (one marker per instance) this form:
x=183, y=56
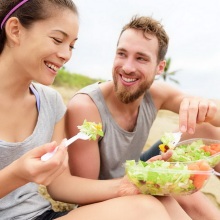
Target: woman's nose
x=65, y=54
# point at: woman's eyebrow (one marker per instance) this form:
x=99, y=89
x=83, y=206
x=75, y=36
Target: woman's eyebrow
x=63, y=33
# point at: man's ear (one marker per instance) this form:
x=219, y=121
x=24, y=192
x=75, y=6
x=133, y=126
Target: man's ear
x=13, y=30
x=161, y=67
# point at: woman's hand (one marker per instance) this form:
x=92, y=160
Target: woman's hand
x=127, y=188
x=30, y=168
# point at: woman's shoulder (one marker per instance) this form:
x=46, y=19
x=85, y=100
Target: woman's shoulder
x=44, y=89
x=48, y=94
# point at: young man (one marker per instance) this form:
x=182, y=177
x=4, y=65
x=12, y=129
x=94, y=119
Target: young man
x=128, y=105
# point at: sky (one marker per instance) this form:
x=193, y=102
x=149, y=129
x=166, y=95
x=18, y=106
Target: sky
x=192, y=25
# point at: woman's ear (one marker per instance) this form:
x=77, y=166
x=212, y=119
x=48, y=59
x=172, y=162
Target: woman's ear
x=161, y=67
x=13, y=30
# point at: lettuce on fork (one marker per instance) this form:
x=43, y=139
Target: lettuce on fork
x=169, y=140
x=91, y=129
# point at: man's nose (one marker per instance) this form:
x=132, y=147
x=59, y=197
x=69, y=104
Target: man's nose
x=128, y=66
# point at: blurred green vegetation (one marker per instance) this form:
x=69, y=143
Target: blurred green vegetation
x=167, y=74
x=73, y=80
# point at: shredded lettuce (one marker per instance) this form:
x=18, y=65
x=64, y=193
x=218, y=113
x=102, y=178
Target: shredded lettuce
x=214, y=160
x=194, y=152
x=170, y=140
x=160, y=177
x=167, y=138
x=91, y=129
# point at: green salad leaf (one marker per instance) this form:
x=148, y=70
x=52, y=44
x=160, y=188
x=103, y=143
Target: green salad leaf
x=193, y=152
x=167, y=138
x=160, y=177
x=189, y=152
x=91, y=129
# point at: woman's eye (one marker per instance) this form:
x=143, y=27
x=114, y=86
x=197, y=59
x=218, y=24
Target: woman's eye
x=72, y=47
x=57, y=40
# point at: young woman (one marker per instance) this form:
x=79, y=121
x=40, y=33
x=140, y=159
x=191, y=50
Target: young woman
x=36, y=39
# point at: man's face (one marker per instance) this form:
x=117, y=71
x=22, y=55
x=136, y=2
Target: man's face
x=135, y=64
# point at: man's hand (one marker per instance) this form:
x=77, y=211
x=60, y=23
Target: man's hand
x=195, y=111
x=163, y=156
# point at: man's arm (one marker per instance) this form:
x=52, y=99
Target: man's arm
x=166, y=97
x=192, y=110
x=84, y=157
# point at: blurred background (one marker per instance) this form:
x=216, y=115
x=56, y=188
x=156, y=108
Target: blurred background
x=193, y=28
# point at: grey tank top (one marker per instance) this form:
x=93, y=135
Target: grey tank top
x=25, y=203
x=119, y=145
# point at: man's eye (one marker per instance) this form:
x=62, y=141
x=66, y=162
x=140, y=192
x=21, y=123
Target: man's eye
x=120, y=54
x=141, y=58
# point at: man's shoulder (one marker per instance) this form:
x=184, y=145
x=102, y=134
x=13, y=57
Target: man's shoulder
x=83, y=100
x=158, y=93
x=159, y=87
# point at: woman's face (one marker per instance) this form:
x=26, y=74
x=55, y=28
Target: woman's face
x=46, y=46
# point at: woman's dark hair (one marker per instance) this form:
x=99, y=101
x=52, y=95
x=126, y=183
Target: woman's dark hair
x=30, y=12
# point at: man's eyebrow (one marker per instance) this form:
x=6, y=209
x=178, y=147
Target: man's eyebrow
x=143, y=54
x=139, y=53
x=121, y=49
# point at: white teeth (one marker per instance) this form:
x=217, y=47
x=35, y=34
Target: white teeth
x=128, y=79
x=51, y=66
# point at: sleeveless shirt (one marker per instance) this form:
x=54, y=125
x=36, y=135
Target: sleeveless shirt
x=118, y=145
x=26, y=203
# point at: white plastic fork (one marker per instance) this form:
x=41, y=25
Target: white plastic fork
x=177, y=137
x=80, y=135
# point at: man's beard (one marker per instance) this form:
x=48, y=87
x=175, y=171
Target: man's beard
x=126, y=96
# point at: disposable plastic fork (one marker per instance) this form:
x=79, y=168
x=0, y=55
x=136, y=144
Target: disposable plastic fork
x=216, y=173
x=177, y=137
x=80, y=135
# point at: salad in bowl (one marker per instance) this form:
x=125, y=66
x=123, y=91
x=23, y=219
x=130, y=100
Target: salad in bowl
x=197, y=149
x=168, y=178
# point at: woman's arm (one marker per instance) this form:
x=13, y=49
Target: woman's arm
x=9, y=181
x=30, y=168
x=72, y=189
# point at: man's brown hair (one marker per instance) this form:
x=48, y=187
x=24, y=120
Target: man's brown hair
x=153, y=27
